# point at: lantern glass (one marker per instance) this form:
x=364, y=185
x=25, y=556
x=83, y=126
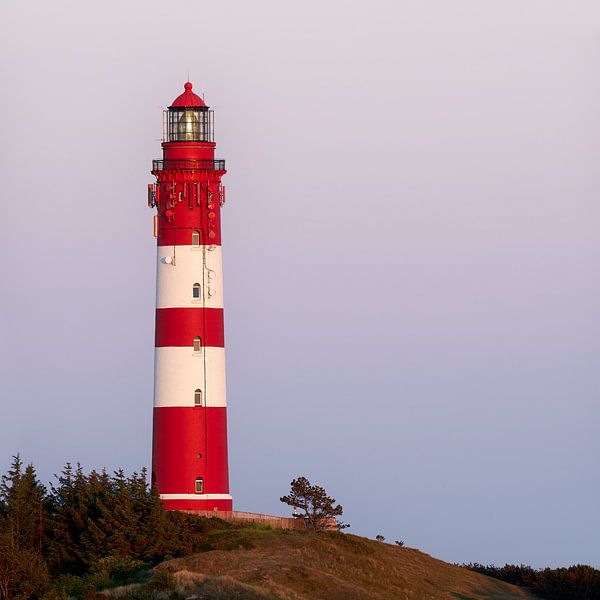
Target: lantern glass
x=189, y=125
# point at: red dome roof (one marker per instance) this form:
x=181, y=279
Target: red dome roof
x=188, y=99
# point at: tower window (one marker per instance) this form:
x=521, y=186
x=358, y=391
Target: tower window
x=197, y=347
x=199, y=485
x=198, y=398
x=195, y=238
x=196, y=291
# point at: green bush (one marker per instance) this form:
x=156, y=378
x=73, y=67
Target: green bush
x=120, y=569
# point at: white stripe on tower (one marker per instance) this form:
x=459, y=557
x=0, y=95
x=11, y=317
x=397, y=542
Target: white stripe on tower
x=180, y=372
x=180, y=267
x=195, y=496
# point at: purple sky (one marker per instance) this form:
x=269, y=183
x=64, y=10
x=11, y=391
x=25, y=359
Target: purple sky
x=411, y=253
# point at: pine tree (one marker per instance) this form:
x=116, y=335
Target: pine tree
x=23, y=515
x=70, y=519
x=23, y=506
x=320, y=510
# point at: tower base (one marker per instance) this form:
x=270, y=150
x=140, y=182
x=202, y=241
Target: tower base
x=202, y=502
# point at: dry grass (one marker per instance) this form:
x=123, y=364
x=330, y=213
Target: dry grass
x=188, y=579
x=269, y=565
x=122, y=590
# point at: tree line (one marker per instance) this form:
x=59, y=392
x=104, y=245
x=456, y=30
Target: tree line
x=579, y=582
x=85, y=531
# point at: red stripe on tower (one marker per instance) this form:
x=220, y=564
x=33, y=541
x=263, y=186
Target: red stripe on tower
x=179, y=326
x=189, y=447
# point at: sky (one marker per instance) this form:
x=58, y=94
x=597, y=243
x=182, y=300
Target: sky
x=410, y=246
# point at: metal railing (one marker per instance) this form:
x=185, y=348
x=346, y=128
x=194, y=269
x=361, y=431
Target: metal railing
x=190, y=165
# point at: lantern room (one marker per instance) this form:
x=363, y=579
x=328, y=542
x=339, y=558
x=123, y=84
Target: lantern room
x=188, y=119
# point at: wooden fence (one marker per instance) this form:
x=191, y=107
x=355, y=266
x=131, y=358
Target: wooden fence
x=249, y=517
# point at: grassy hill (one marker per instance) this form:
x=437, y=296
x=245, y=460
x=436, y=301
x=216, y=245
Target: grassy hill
x=264, y=564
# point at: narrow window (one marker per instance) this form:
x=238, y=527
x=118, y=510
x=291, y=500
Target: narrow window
x=195, y=238
x=196, y=291
x=199, y=485
x=198, y=398
x=197, y=344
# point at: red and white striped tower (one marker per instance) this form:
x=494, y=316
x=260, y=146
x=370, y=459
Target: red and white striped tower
x=189, y=449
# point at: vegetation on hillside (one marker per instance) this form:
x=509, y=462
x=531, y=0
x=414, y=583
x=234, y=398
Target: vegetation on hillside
x=98, y=531
x=87, y=531
x=295, y=565
x=579, y=582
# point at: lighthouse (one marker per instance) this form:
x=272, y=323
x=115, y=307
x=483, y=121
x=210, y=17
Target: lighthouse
x=189, y=445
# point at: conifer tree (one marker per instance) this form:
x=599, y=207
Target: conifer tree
x=23, y=515
x=69, y=505
x=320, y=510
x=23, y=506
